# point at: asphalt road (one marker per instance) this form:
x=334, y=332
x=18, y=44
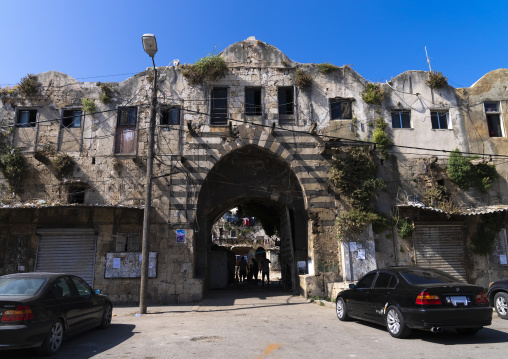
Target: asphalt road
x=265, y=324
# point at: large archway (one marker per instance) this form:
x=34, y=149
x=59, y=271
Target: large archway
x=256, y=176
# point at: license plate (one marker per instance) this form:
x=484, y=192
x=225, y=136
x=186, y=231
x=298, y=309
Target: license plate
x=458, y=301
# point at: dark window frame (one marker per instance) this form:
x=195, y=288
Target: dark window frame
x=69, y=120
x=32, y=117
x=126, y=111
x=219, y=106
x=253, y=101
x=494, y=119
x=399, y=121
x=286, y=105
x=167, y=117
x=341, y=108
x=437, y=117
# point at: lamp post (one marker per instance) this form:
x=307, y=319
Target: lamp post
x=150, y=47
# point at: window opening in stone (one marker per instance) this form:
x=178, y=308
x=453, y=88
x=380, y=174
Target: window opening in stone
x=170, y=116
x=26, y=118
x=126, y=136
x=340, y=109
x=494, y=121
x=253, y=101
x=439, y=120
x=401, y=119
x=76, y=195
x=71, y=118
x=286, y=101
x=219, y=106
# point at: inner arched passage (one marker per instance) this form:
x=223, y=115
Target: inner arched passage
x=255, y=176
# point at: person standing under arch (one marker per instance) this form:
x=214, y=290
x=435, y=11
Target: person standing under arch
x=265, y=271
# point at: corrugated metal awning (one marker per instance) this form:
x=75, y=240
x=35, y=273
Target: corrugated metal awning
x=472, y=211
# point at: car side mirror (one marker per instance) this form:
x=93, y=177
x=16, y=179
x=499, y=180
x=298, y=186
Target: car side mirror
x=351, y=286
x=97, y=291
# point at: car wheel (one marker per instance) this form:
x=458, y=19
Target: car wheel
x=106, y=316
x=468, y=331
x=501, y=304
x=53, y=340
x=396, y=324
x=340, y=307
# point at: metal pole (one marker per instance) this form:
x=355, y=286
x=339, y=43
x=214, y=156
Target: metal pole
x=148, y=200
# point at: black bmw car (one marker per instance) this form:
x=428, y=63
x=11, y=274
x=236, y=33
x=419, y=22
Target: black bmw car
x=498, y=297
x=405, y=298
x=41, y=309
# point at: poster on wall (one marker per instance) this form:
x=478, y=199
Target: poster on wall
x=180, y=236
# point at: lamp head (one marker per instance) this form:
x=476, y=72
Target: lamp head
x=149, y=44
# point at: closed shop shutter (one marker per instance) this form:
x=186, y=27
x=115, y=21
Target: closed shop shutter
x=441, y=247
x=67, y=251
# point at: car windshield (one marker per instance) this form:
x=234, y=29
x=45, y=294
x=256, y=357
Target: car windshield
x=423, y=276
x=20, y=286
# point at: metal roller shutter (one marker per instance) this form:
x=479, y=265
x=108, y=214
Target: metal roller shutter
x=441, y=247
x=67, y=251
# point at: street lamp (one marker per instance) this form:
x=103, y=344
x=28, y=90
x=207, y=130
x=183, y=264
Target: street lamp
x=150, y=47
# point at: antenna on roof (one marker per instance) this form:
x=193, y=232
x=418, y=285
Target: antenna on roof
x=430, y=70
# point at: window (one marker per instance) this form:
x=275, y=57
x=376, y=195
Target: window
x=126, y=136
x=340, y=109
x=385, y=280
x=366, y=281
x=439, y=120
x=219, y=106
x=286, y=97
x=26, y=118
x=76, y=195
x=494, y=122
x=170, y=116
x=401, y=119
x=127, y=116
x=253, y=101
x=83, y=289
x=71, y=118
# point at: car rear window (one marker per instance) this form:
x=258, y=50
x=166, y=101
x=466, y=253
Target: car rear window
x=416, y=277
x=20, y=286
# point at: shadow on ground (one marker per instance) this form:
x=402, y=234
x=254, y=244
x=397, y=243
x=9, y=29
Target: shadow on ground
x=85, y=345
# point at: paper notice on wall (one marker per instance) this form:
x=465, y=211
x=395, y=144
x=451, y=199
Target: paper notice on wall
x=180, y=236
x=361, y=253
x=502, y=259
x=352, y=246
x=116, y=263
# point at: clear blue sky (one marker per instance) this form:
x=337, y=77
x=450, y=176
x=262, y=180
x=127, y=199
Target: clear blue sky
x=93, y=40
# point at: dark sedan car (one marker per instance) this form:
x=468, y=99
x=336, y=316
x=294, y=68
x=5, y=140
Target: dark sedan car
x=41, y=309
x=405, y=298
x=498, y=297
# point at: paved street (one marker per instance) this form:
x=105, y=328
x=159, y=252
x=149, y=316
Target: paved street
x=265, y=324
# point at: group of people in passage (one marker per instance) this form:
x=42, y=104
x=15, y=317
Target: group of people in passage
x=249, y=272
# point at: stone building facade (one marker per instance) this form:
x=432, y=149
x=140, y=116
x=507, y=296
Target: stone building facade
x=252, y=136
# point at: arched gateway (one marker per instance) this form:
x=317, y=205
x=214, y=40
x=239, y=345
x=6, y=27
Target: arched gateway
x=255, y=176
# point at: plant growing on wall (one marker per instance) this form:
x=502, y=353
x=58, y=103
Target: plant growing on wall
x=106, y=93
x=483, y=240
x=29, y=86
x=88, y=106
x=405, y=228
x=210, y=68
x=13, y=166
x=357, y=190
x=373, y=94
x=326, y=68
x=64, y=165
x=380, y=138
x=465, y=174
x=302, y=79
x=436, y=79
